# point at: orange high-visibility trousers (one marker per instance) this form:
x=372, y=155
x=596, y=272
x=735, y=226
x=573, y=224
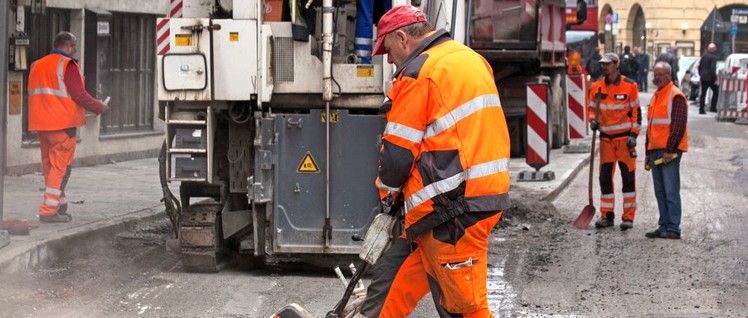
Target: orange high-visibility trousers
x=612, y=152
x=58, y=149
x=449, y=261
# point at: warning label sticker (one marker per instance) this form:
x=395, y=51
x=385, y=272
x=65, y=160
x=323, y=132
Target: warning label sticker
x=307, y=164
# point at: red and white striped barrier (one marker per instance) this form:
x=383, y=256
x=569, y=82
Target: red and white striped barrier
x=163, y=39
x=733, y=98
x=538, y=148
x=176, y=9
x=575, y=97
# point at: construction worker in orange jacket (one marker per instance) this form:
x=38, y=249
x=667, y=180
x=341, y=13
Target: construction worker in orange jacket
x=57, y=105
x=619, y=122
x=446, y=149
x=667, y=140
x=574, y=68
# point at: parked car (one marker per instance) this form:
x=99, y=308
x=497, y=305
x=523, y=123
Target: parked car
x=684, y=62
x=691, y=83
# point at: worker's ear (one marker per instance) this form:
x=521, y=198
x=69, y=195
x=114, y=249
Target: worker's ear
x=401, y=39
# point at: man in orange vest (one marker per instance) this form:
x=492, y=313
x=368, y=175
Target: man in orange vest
x=57, y=105
x=619, y=123
x=667, y=139
x=574, y=67
x=446, y=150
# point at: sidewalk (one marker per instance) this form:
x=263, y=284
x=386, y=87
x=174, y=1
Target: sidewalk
x=102, y=199
x=111, y=198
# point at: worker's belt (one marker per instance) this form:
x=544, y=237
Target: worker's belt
x=614, y=136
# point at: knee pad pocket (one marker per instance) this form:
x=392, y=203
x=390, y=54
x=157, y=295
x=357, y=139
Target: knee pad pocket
x=462, y=280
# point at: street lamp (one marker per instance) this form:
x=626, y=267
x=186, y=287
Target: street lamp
x=684, y=28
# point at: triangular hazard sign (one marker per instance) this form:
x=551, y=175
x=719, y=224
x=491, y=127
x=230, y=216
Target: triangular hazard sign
x=307, y=164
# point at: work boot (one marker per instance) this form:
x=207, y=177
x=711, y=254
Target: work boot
x=626, y=224
x=605, y=222
x=653, y=234
x=55, y=218
x=670, y=235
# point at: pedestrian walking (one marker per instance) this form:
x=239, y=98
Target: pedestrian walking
x=57, y=104
x=644, y=60
x=629, y=66
x=708, y=78
x=667, y=139
x=619, y=123
x=593, y=66
x=446, y=148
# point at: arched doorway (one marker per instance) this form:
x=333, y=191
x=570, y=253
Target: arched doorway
x=607, y=34
x=636, y=26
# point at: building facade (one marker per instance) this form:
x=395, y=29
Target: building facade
x=117, y=53
x=685, y=24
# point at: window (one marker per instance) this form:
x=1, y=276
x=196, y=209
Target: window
x=132, y=56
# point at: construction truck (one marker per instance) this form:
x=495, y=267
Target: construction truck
x=273, y=124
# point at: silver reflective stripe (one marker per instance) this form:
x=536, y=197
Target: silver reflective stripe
x=607, y=205
x=51, y=202
x=461, y=112
x=613, y=106
x=61, y=92
x=362, y=41
x=665, y=121
x=404, y=132
x=451, y=183
x=636, y=126
x=634, y=103
x=615, y=127
x=591, y=104
x=629, y=205
x=629, y=194
x=363, y=52
x=53, y=191
x=608, y=196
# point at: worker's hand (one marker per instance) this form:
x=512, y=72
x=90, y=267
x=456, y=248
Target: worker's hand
x=594, y=125
x=631, y=143
x=668, y=157
x=647, y=163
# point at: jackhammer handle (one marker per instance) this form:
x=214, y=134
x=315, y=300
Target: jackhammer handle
x=337, y=311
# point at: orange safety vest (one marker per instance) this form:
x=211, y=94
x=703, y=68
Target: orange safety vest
x=620, y=112
x=659, y=116
x=446, y=143
x=50, y=104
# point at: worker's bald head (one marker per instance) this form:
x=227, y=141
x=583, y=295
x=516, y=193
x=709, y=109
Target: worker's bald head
x=662, y=74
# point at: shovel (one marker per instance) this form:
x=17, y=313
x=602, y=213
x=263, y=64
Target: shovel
x=584, y=218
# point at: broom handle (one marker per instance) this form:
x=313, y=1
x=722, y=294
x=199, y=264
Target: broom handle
x=594, y=137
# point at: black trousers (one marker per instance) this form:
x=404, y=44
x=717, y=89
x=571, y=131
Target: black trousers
x=715, y=94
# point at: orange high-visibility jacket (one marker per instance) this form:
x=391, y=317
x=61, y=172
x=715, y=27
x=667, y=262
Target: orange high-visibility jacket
x=659, y=116
x=620, y=112
x=446, y=143
x=50, y=104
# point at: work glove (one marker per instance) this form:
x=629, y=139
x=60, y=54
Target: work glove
x=594, y=125
x=631, y=143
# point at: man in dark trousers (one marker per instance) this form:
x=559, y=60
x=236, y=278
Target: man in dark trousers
x=667, y=139
x=57, y=105
x=643, y=59
x=708, y=78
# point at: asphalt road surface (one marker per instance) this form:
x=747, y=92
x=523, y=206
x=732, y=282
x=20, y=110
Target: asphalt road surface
x=541, y=266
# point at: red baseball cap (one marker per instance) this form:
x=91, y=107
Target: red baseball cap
x=394, y=19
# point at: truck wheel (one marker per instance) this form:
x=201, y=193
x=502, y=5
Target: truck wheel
x=200, y=238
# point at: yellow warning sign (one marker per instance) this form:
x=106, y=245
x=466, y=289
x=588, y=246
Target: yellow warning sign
x=307, y=164
x=364, y=70
x=183, y=40
x=234, y=36
x=333, y=117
